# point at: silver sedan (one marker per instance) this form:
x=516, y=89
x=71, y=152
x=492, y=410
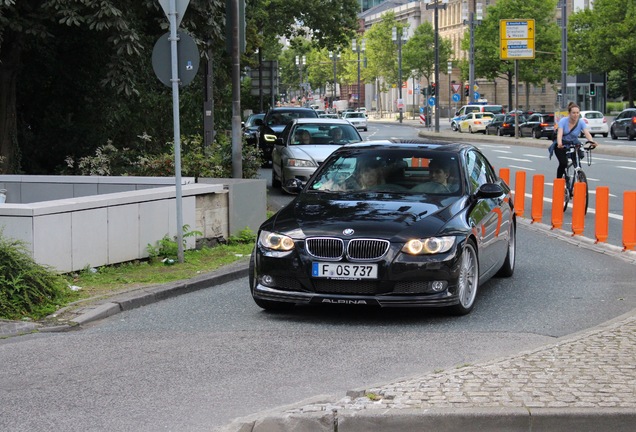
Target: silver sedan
x=305, y=144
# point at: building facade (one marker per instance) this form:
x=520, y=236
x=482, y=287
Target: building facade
x=453, y=25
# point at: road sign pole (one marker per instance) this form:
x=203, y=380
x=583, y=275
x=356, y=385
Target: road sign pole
x=172, y=17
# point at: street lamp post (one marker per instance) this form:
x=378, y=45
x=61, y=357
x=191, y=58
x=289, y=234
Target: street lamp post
x=472, y=19
x=437, y=6
x=358, y=48
x=300, y=62
x=564, y=53
x=334, y=56
x=399, y=39
x=449, y=72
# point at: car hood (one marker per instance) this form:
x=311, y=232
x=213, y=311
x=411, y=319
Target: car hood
x=319, y=214
x=316, y=153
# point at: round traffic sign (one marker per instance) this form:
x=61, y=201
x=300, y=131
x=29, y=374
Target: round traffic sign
x=456, y=97
x=431, y=100
x=476, y=95
x=187, y=62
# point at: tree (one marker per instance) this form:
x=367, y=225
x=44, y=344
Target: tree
x=488, y=64
x=418, y=54
x=382, y=52
x=76, y=74
x=602, y=40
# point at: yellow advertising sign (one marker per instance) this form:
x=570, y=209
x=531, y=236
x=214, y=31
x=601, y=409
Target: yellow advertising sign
x=516, y=39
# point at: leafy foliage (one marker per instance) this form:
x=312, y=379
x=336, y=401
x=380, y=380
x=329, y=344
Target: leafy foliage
x=28, y=289
x=602, y=40
x=196, y=161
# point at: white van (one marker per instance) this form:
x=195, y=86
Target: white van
x=467, y=109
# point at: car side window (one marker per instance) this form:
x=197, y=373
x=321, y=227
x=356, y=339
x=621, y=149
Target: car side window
x=479, y=171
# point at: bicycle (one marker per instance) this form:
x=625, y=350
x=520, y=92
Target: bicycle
x=574, y=173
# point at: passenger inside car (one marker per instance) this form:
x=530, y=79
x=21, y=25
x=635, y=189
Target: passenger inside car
x=302, y=137
x=440, y=179
x=367, y=174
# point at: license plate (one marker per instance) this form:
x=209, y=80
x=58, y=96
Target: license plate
x=596, y=128
x=344, y=271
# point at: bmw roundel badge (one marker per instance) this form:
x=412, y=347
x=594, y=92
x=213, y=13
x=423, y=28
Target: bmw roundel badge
x=348, y=232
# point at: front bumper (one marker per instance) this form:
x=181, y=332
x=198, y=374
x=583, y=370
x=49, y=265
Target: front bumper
x=403, y=281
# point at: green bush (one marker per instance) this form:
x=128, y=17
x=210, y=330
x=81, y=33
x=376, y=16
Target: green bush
x=616, y=106
x=28, y=289
x=196, y=161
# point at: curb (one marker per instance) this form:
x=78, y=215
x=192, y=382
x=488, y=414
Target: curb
x=131, y=300
x=443, y=420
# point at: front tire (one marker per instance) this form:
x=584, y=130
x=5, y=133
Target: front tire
x=468, y=281
x=508, y=267
x=536, y=133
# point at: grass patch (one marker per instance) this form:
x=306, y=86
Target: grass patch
x=31, y=291
x=109, y=279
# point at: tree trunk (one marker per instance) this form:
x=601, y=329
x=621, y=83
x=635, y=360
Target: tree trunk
x=9, y=63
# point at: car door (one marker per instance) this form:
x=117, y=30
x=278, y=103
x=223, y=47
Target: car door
x=620, y=124
x=526, y=127
x=486, y=215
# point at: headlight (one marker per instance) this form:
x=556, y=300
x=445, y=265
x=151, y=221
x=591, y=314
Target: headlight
x=428, y=246
x=299, y=163
x=275, y=241
x=269, y=137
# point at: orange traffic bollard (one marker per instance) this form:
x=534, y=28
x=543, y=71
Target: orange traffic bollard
x=578, y=208
x=520, y=192
x=504, y=174
x=629, y=220
x=558, y=198
x=602, y=214
x=537, y=198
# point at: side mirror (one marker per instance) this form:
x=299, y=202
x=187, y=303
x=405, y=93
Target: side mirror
x=490, y=190
x=279, y=141
x=293, y=186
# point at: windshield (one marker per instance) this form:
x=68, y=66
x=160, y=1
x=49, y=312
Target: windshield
x=407, y=171
x=325, y=133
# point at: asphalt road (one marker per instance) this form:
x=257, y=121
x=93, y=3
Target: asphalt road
x=200, y=360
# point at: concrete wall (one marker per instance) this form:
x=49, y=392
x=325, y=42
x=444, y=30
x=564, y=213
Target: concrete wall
x=77, y=229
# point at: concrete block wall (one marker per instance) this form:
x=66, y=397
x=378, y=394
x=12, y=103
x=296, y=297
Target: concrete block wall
x=68, y=227
x=71, y=234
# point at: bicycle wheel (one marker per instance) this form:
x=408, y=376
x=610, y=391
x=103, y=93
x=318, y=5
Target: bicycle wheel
x=569, y=183
x=581, y=177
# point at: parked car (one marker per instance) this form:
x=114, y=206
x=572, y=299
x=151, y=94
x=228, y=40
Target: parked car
x=538, y=125
x=250, y=128
x=273, y=124
x=503, y=124
x=401, y=243
x=475, y=122
x=357, y=118
x=596, y=123
x=624, y=125
x=329, y=115
x=294, y=158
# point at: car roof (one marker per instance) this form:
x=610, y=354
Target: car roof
x=411, y=143
x=291, y=109
x=320, y=120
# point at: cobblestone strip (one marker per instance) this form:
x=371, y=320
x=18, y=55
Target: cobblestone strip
x=593, y=370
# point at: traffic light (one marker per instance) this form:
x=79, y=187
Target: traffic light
x=433, y=89
x=466, y=90
x=592, y=89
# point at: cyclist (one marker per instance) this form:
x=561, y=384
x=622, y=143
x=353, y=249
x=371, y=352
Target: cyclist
x=569, y=129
